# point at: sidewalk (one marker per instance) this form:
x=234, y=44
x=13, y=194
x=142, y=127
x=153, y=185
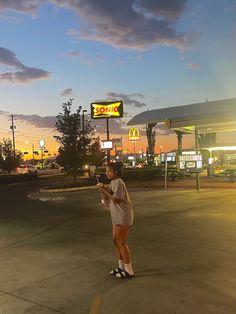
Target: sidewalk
x=187, y=183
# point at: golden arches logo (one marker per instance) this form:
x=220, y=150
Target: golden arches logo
x=134, y=134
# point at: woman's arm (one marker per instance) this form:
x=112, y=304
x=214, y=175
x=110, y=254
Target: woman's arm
x=105, y=198
x=104, y=190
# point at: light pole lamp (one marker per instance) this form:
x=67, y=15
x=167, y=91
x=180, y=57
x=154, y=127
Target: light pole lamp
x=84, y=110
x=42, y=147
x=33, y=153
x=161, y=149
x=32, y=145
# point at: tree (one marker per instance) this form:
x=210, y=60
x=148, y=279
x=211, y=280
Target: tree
x=96, y=156
x=77, y=143
x=7, y=160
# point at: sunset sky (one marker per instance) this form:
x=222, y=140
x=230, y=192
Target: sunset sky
x=148, y=53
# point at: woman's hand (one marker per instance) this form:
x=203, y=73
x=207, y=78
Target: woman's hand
x=100, y=187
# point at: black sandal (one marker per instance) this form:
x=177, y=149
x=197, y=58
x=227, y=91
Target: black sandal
x=116, y=271
x=124, y=275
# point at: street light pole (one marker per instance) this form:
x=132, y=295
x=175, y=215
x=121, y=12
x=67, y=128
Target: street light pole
x=33, y=153
x=108, y=137
x=134, y=142
x=83, y=129
x=42, y=147
x=42, y=156
x=160, y=150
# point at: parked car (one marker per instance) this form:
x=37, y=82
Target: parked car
x=22, y=169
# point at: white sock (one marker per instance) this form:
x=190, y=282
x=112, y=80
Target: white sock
x=129, y=269
x=121, y=264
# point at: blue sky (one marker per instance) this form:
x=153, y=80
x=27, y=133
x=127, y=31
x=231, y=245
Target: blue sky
x=150, y=53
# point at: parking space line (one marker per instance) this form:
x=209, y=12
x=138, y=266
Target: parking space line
x=95, y=305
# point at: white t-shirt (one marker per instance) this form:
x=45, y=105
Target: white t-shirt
x=121, y=213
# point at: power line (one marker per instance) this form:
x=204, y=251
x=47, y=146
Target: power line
x=35, y=136
x=4, y=132
x=18, y=133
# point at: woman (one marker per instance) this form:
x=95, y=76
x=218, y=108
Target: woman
x=118, y=200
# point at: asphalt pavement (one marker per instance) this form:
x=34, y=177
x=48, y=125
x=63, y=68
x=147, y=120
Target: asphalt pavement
x=56, y=251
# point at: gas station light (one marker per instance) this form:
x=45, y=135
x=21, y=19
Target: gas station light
x=192, y=152
x=222, y=148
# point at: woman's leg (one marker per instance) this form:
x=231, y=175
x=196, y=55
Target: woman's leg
x=121, y=236
x=114, y=241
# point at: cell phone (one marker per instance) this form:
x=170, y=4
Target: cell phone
x=97, y=178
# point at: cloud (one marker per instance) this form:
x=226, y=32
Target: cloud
x=99, y=57
x=83, y=58
x=38, y=121
x=127, y=99
x=193, y=66
x=66, y=92
x=169, y=9
x=138, y=95
x=127, y=24
x=73, y=54
x=116, y=126
x=21, y=73
x=25, y=6
x=25, y=75
x=136, y=58
x=7, y=57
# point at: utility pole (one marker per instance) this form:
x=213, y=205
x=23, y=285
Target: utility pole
x=12, y=127
x=33, y=153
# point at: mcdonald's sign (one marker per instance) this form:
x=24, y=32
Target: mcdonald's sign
x=134, y=134
x=107, y=110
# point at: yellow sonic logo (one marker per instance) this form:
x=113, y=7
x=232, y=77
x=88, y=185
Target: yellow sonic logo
x=106, y=110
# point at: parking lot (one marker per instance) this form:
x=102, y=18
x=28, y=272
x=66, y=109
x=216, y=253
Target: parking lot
x=56, y=251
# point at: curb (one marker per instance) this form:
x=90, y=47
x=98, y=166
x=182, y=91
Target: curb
x=82, y=188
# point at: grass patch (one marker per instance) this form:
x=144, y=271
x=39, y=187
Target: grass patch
x=15, y=178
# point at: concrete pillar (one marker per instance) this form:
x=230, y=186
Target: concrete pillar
x=197, y=152
x=151, y=139
x=180, y=142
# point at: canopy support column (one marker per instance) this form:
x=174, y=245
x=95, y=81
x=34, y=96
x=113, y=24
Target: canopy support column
x=151, y=139
x=180, y=142
x=197, y=152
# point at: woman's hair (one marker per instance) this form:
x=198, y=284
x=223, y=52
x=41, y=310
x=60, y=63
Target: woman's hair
x=117, y=167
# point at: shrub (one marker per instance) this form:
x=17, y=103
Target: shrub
x=141, y=174
x=6, y=179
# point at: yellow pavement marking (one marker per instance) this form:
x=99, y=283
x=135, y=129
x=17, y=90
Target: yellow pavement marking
x=95, y=305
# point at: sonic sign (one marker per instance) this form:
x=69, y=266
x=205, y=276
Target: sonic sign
x=105, y=110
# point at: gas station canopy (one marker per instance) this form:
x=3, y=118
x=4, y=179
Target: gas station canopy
x=208, y=117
